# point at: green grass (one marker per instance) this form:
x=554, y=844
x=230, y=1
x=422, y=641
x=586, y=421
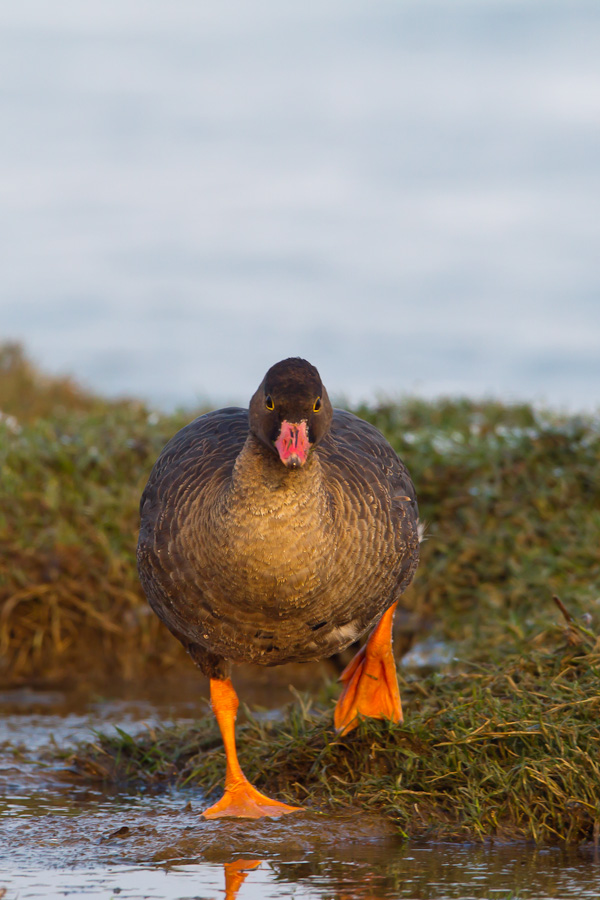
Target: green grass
x=73, y=468
x=507, y=751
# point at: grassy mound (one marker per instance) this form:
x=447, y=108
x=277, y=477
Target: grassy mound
x=511, y=497
x=508, y=752
x=73, y=468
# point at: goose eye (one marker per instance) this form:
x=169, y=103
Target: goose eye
x=269, y=402
x=317, y=405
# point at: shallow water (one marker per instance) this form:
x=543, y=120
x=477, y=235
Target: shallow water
x=61, y=836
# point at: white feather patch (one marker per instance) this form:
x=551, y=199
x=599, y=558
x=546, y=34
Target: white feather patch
x=345, y=633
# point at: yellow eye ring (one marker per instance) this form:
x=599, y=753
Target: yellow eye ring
x=269, y=402
x=317, y=405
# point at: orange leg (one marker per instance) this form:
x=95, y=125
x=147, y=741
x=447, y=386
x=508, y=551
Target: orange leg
x=240, y=798
x=370, y=681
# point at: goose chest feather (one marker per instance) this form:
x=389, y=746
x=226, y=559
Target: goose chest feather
x=279, y=533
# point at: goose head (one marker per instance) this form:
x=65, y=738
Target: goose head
x=290, y=413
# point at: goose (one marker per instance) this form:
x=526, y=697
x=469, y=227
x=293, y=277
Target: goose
x=280, y=533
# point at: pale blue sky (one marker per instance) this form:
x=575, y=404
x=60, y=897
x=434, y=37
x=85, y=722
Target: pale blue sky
x=406, y=193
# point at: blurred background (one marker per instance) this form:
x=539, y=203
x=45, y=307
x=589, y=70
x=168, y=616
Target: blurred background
x=405, y=192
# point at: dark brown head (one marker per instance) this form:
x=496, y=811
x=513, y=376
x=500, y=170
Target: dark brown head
x=290, y=412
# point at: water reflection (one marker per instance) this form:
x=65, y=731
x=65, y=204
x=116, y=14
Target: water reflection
x=426, y=872
x=235, y=875
x=451, y=872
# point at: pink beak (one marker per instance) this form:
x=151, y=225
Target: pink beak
x=293, y=444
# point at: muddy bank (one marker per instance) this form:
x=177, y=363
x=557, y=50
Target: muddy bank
x=64, y=832
x=59, y=837
x=499, y=752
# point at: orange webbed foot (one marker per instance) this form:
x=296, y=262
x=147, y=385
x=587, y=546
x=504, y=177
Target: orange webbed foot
x=370, y=681
x=243, y=800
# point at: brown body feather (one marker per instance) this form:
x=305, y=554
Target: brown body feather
x=247, y=561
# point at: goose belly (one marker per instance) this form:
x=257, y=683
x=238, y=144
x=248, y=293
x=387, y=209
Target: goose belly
x=290, y=600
